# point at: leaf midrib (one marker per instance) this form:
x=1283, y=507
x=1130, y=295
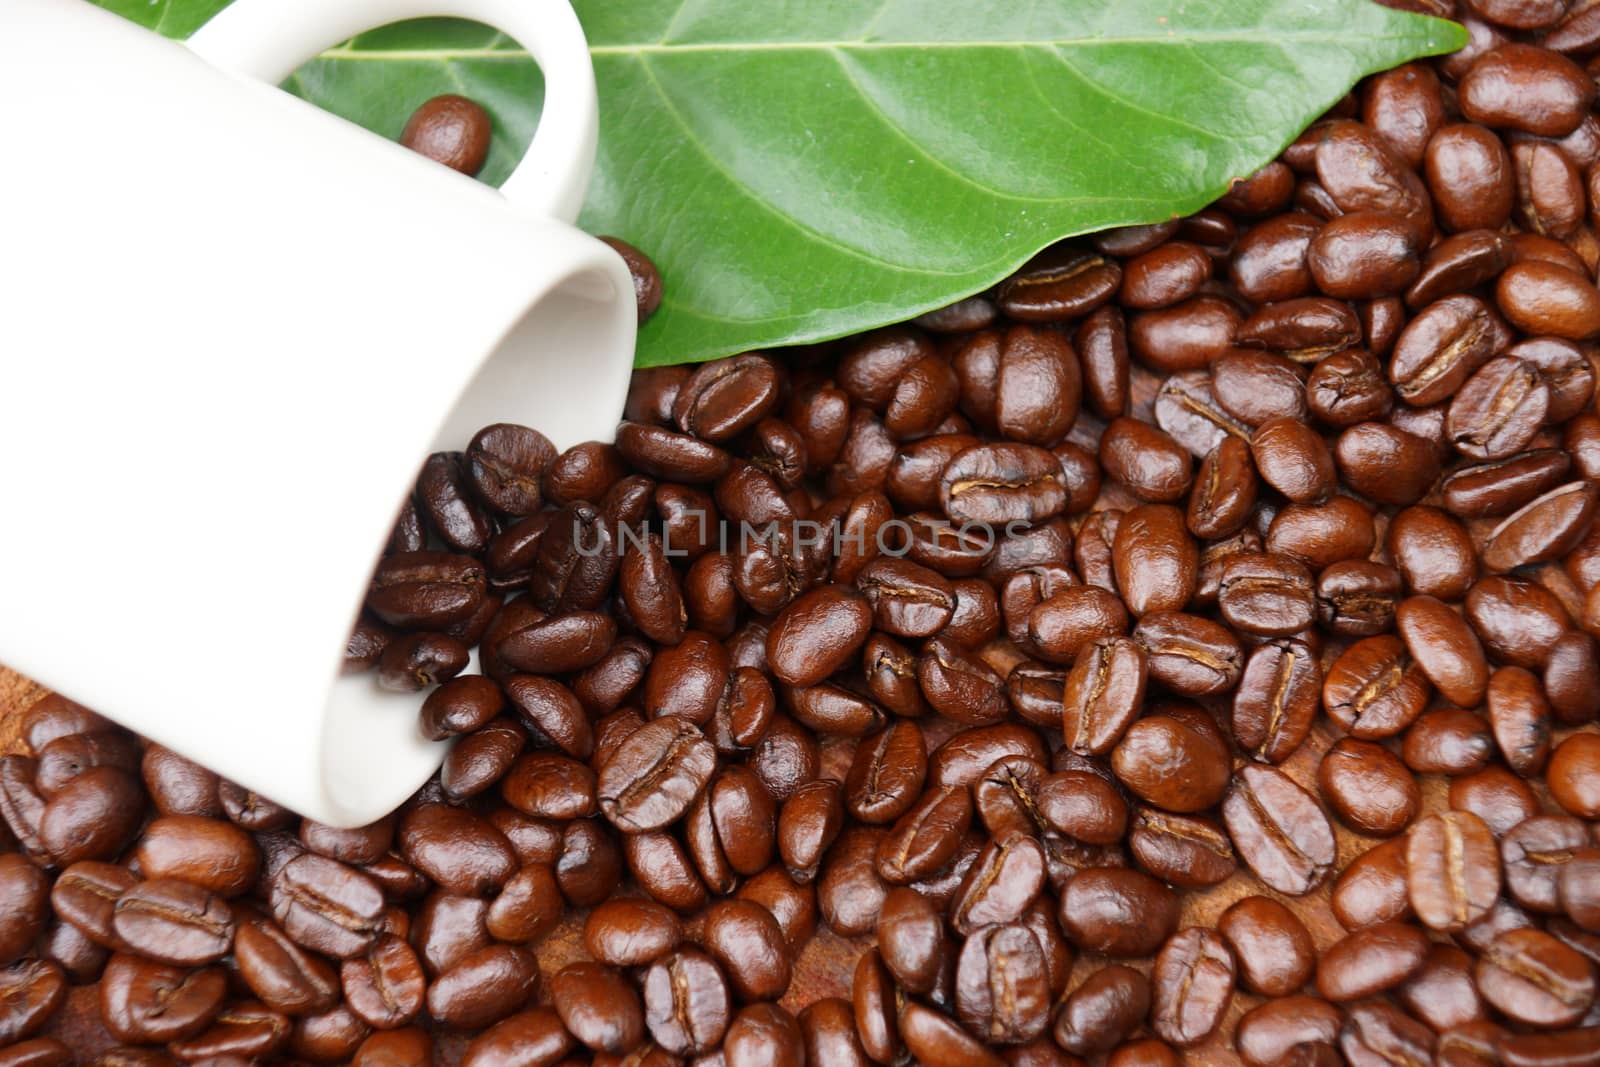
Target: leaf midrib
x=344, y=52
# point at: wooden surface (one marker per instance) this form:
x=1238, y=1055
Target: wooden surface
x=827, y=964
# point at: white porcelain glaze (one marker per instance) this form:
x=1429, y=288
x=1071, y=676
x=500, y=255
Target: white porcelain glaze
x=231, y=327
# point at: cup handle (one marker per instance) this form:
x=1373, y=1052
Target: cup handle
x=268, y=39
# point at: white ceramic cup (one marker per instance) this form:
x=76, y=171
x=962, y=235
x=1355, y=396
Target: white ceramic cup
x=231, y=327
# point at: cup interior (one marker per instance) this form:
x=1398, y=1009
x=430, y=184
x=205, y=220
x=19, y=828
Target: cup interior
x=562, y=368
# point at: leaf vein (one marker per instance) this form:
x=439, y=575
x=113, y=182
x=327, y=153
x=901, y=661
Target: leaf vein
x=756, y=197
x=1133, y=105
x=872, y=104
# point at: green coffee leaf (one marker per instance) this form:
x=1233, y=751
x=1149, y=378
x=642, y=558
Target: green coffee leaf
x=805, y=171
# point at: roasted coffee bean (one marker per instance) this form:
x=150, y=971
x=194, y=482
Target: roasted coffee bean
x=1386, y=464
x=1061, y=627
x=911, y=939
x=1445, y=647
x=1000, y=485
x=597, y=1007
x=1378, y=1032
x=1274, y=951
x=1544, y=529
x=1528, y=89
x=327, y=906
x=1225, y=490
x=385, y=987
x=1572, y=678
x=656, y=773
x=1375, y=689
x=1571, y=775
x=1320, y=535
x=1155, y=559
x=1082, y=805
x=1276, y=700
x=1501, y=487
x=1270, y=1033
x=1190, y=852
x=1038, y=386
x=1171, y=764
x=173, y=922
x=1432, y=551
x=1534, y=979
x=177, y=786
x=1370, y=960
x=417, y=661
x=1006, y=877
x=1458, y=264
x=37, y=1052
x=93, y=817
x=1062, y=282
x=63, y=759
x=25, y=896
x=926, y=837
x=1441, y=992
x=460, y=851
x=426, y=589
x=1453, y=870
x=724, y=397
x=1372, y=888
x=1269, y=260
x=1534, y=854
x=1278, y=830
x=1305, y=329
x=1002, y=986
x=1186, y=336
x=1356, y=598
x=849, y=893
x=482, y=758
x=483, y=987
x=937, y=1040
x=1267, y=595
x=1149, y=462
x=451, y=130
x=583, y=473
x=1440, y=348
x=445, y=499
x=1469, y=173
x=1186, y=408
x=1496, y=795
x=1543, y=298
x=1117, y=911
x=330, y=1036
x=1109, y=1005
x=817, y=634
x=1189, y=654
x=1520, y=718
x=85, y=895
x=282, y=974
x=1575, y=889
x=142, y=1001
x=1103, y=694
x=1364, y=254
x=1191, y=986
x=1498, y=410
x=1368, y=787
x=686, y=1002
x=1255, y=386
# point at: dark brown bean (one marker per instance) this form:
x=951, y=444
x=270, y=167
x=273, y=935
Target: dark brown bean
x=1191, y=986
x=1274, y=950
x=1278, y=829
x=1452, y=870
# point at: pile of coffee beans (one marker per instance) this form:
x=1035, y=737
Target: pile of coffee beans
x=1249, y=555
